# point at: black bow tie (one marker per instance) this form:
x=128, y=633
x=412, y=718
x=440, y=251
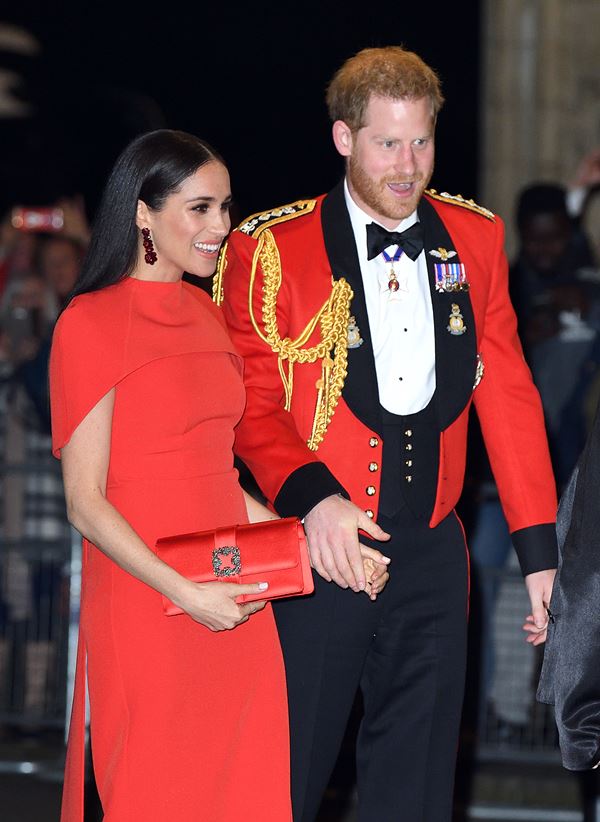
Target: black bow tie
x=410, y=241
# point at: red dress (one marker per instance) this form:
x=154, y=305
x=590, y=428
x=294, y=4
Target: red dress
x=186, y=724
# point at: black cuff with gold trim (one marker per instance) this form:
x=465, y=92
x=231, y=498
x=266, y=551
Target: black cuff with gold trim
x=536, y=547
x=305, y=488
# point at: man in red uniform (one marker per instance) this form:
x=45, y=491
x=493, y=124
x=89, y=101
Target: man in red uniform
x=369, y=320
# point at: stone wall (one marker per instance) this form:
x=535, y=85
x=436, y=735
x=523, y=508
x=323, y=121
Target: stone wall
x=540, y=97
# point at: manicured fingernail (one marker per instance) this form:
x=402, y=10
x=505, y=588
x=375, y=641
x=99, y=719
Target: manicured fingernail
x=262, y=586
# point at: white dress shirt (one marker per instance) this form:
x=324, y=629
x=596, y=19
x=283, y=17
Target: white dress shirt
x=401, y=322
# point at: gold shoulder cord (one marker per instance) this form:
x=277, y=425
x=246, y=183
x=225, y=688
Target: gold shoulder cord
x=217, y=284
x=333, y=317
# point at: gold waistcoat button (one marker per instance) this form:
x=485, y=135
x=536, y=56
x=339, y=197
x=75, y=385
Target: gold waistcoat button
x=374, y=442
x=373, y=466
x=371, y=490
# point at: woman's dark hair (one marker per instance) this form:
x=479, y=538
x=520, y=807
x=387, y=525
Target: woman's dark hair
x=152, y=167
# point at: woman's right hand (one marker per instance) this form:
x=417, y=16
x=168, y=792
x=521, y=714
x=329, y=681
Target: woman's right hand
x=213, y=603
x=376, y=567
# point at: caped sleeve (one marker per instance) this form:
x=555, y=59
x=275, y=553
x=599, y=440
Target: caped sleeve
x=84, y=366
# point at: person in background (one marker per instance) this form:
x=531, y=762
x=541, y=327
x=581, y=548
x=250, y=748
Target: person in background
x=32, y=509
x=551, y=250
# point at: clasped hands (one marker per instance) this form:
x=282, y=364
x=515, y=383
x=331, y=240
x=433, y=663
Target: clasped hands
x=335, y=551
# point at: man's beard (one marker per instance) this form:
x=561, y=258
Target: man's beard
x=378, y=197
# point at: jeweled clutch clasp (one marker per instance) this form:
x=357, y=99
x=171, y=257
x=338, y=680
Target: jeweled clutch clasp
x=227, y=561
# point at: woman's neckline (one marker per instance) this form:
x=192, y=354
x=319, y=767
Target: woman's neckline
x=156, y=283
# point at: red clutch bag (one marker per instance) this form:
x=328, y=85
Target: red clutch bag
x=274, y=551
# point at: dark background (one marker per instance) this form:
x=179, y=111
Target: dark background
x=250, y=78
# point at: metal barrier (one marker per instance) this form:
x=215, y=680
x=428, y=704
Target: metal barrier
x=33, y=633
x=38, y=600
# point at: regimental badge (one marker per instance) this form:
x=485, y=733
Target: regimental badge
x=354, y=338
x=442, y=254
x=450, y=277
x=479, y=369
x=456, y=325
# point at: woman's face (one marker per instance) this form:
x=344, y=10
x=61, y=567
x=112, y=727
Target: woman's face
x=188, y=231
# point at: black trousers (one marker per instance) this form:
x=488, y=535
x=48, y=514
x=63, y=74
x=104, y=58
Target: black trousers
x=407, y=653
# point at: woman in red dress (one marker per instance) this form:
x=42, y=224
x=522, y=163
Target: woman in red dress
x=188, y=713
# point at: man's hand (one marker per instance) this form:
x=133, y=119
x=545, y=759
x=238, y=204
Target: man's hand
x=332, y=533
x=539, y=588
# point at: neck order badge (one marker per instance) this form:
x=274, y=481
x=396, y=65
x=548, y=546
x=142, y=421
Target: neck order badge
x=393, y=284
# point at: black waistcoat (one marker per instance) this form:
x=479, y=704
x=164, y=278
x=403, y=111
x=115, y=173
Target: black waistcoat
x=410, y=462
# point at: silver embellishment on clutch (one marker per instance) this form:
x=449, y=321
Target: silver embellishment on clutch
x=227, y=561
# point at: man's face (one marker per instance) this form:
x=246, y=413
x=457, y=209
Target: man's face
x=544, y=241
x=390, y=159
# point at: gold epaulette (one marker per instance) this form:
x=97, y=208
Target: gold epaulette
x=459, y=200
x=253, y=226
x=256, y=223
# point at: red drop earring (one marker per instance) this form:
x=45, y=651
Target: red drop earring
x=150, y=255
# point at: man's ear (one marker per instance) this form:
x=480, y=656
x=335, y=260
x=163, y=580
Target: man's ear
x=142, y=217
x=342, y=138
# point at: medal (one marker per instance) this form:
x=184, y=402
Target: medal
x=393, y=284
x=450, y=277
x=456, y=325
x=354, y=338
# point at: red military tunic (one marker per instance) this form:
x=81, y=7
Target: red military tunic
x=280, y=264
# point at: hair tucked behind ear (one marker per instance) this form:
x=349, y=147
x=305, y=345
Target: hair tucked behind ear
x=151, y=168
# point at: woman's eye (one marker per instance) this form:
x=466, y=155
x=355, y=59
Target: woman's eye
x=201, y=207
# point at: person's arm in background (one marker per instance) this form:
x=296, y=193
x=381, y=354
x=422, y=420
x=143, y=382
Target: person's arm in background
x=585, y=179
